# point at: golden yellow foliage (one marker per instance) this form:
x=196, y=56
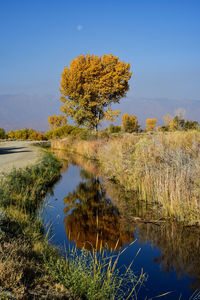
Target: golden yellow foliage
x=124, y=118
x=90, y=85
x=130, y=123
x=57, y=121
x=26, y=134
x=174, y=124
x=92, y=213
x=151, y=124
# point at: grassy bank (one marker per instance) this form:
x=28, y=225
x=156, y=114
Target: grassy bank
x=162, y=168
x=22, y=243
x=30, y=268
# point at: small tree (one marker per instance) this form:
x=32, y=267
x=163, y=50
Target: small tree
x=130, y=123
x=2, y=133
x=174, y=124
x=90, y=85
x=57, y=121
x=11, y=134
x=167, y=119
x=151, y=124
x=182, y=124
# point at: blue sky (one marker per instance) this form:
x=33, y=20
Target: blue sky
x=160, y=38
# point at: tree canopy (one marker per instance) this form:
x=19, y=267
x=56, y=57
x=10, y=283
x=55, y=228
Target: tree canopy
x=57, y=121
x=130, y=123
x=90, y=85
x=151, y=124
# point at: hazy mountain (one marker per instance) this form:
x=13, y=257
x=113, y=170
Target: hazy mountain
x=21, y=110
x=31, y=111
x=145, y=108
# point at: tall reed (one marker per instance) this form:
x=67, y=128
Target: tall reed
x=163, y=168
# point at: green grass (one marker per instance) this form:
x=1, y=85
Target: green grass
x=25, y=188
x=31, y=267
x=93, y=275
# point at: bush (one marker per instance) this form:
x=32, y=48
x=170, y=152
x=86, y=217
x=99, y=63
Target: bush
x=130, y=123
x=114, y=128
x=67, y=130
x=2, y=133
x=26, y=134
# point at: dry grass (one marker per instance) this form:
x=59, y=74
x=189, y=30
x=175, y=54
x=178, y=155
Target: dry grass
x=22, y=274
x=162, y=168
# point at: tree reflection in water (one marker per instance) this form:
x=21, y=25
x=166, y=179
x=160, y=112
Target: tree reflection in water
x=180, y=248
x=90, y=212
x=179, y=244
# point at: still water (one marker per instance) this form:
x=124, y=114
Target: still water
x=82, y=204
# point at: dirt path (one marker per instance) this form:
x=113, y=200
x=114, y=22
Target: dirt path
x=17, y=154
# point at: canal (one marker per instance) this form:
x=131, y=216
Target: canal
x=83, y=204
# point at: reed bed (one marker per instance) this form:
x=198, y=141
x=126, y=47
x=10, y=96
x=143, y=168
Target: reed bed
x=163, y=168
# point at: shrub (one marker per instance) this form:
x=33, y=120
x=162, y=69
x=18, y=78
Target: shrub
x=26, y=134
x=2, y=133
x=65, y=131
x=130, y=123
x=114, y=128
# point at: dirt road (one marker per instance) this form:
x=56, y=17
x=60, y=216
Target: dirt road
x=17, y=154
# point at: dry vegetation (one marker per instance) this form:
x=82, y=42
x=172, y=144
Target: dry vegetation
x=162, y=167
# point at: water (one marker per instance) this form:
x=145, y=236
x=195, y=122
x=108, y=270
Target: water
x=82, y=204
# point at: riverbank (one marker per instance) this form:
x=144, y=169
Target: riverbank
x=30, y=268
x=169, y=250
x=162, y=168
x=22, y=244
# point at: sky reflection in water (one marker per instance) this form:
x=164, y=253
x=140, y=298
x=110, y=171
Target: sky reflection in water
x=80, y=206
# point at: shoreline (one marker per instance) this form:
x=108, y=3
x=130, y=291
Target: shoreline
x=162, y=169
x=32, y=267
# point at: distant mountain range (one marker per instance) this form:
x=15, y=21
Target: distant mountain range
x=32, y=111
x=145, y=108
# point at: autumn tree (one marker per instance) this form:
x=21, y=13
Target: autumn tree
x=57, y=121
x=174, y=124
x=130, y=123
x=90, y=85
x=167, y=119
x=89, y=203
x=151, y=124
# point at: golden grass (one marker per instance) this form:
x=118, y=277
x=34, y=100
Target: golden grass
x=162, y=168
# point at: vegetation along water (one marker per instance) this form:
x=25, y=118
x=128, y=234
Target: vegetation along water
x=93, y=205
x=31, y=267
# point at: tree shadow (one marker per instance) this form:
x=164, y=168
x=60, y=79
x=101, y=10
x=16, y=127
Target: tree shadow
x=11, y=150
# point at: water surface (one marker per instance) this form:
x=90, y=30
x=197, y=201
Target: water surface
x=82, y=204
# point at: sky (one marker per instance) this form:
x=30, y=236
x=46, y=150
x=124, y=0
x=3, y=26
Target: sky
x=160, y=39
